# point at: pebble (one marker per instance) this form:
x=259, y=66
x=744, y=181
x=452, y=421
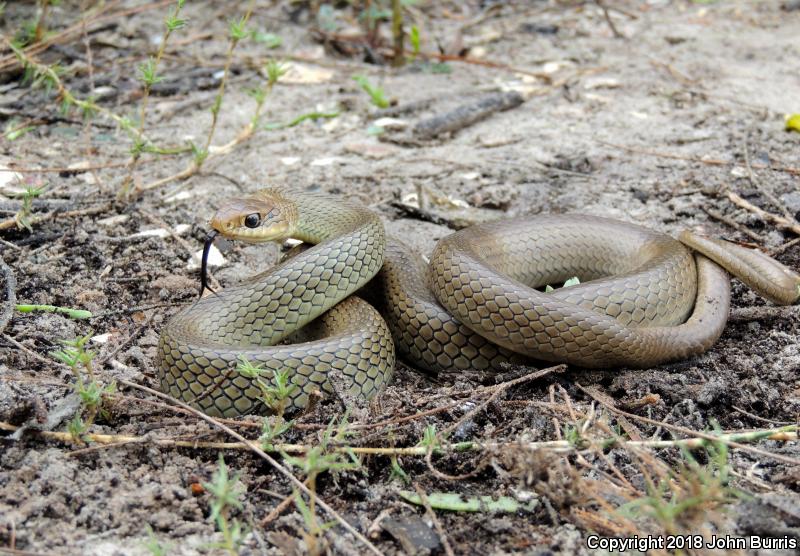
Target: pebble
x=215, y=259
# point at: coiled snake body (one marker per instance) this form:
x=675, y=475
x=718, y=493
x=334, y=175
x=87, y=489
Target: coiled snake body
x=645, y=298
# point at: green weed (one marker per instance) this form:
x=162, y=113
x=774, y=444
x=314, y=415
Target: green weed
x=225, y=492
x=376, y=94
x=318, y=460
x=92, y=394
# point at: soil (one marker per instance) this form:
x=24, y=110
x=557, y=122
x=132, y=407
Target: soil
x=654, y=127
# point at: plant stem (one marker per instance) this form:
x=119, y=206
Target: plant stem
x=785, y=434
x=397, y=33
x=221, y=91
x=137, y=151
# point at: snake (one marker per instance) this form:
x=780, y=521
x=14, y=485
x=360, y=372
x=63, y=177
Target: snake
x=645, y=298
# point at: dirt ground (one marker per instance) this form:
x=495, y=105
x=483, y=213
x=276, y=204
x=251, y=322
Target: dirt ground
x=655, y=126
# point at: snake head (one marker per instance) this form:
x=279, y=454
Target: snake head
x=263, y=216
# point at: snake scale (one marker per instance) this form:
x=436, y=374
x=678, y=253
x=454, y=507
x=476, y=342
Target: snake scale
x=645, y=299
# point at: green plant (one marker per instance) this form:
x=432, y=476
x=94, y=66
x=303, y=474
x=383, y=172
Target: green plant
x=430, y=440
x=413, y=36
x=225, y=492
x=687, y=495
x=23, y=215
x=14, y=129
x=274, y=70
x=148, y=75
x=237, y=31
x=375, y=93
x=71, y=313
x=276, y=393
x=321, y=459
x=153, y=545
x=92, y=394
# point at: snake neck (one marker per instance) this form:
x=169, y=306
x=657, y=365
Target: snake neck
x=323, y=218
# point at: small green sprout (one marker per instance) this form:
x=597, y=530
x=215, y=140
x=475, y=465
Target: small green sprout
x=14, y=130
x=376, y=94
x=147, y=72
x=75, y=353
x=320, y=459
x=153, y=545
x=238, y=29
x=76, y=427
x=23, y=215
x=398, y=472
x=271, y=428
x=198, y=155
x=92, y=395
x=415, y=42
x=275, y=70
x=225, y=492
x=429, y=438
x=275, y=394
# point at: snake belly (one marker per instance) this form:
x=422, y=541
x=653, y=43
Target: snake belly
x=351, y=348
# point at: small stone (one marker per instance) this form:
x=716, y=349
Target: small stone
x=9, y=180
x=290, y=160
x=104, y=92
x=371, y=150
x=327, y=161
x=601, y=83
x=792, y=201
x=155, y=232
x=179, y=196
x=115, y=220
x=215, y=259
x=300, y=74
x=391, y=123
x=101, y=338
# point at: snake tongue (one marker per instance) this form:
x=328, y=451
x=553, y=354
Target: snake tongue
x=204, y=262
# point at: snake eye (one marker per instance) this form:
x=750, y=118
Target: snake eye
x=252, y=220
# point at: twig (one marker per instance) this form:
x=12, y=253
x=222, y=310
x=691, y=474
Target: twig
x=708, y=161
x=759, y=418
x=279, y=509
x=702, y=438
x=263, y=455
x=10, y=301
x=779, y=221
x=64, y=169
x=467, y=114
x=781, y=248
x=746, y=314
x=758, y=185
x=733, y=224
x=499, y=389
x=607, y=17
x=699, y=439
x=32, y=353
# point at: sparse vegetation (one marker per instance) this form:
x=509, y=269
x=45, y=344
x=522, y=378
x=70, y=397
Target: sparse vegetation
x=126, y=123
x=225, y=492
x=92, y=393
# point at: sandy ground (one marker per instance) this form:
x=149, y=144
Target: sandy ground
x=654, y=128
